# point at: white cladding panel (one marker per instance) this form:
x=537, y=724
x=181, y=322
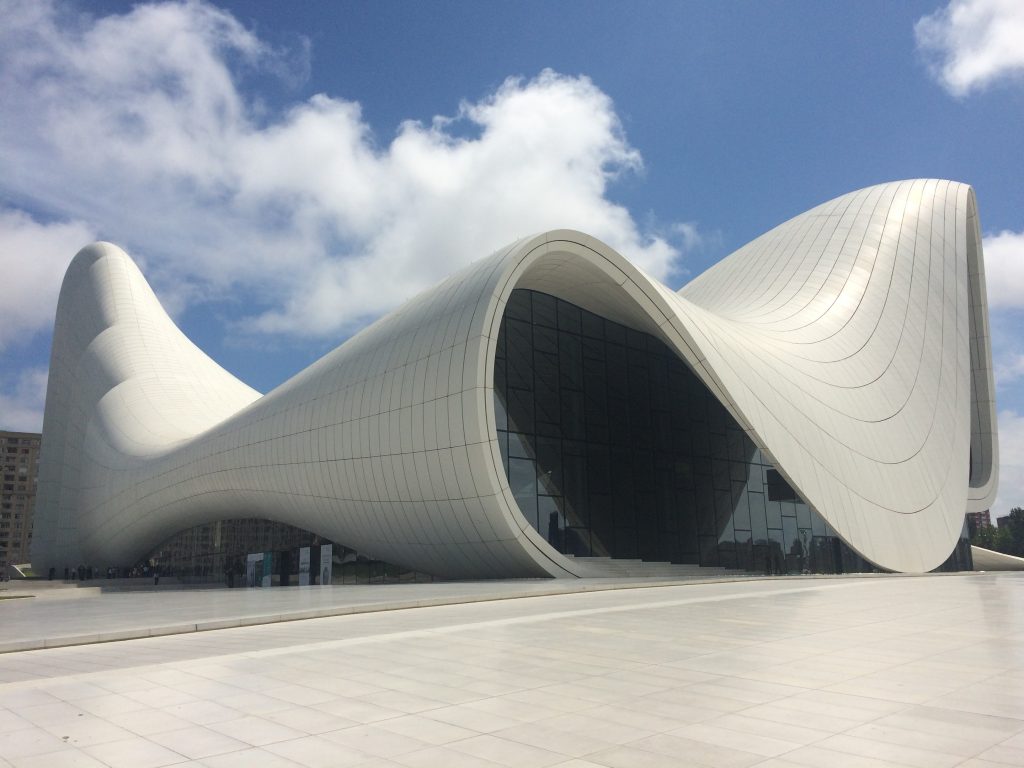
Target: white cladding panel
x=851, y=343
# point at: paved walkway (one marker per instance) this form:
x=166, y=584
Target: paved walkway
x=872, y=672
x=58, y=615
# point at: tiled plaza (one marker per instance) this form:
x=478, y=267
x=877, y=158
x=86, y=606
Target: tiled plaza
x=891, y=671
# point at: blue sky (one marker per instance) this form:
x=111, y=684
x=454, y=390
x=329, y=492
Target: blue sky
x=245, y=151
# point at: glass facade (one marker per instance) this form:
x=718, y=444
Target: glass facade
x=614, y=448
x=216, y=552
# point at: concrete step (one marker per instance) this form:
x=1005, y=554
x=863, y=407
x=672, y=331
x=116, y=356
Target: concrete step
x=607, y=567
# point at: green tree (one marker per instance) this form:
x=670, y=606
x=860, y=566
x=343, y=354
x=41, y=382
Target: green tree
x=984, y=536
x=1014, y=528
x=1008, y=538
x=1001, y=540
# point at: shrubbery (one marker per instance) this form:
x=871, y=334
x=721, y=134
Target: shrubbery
x=1008, y=539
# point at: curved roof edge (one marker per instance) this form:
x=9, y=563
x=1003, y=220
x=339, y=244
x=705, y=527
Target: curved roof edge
x=851, y=343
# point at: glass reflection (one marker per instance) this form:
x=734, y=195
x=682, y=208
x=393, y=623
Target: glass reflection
x=614, y=448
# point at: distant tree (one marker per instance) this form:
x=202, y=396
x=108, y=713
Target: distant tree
x=1014, y=528
x=1001, y=540
x=1008, y=538
x=983, y=536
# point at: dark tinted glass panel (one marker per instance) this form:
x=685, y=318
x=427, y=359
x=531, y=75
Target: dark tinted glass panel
x=577, y=542
x=503, y=447
x=520, y=446
x=544, y=312
x=744, y=550
x=601, y=524
x=718, y=418
x=720, y=477
x=614, y=333
x=616, y=372
x=700, y=438
x=546, y=402
x=552, y=520
x=519, y=354
x=593, y=349
x=792, y=544
x=545, y=340
x=818, y=525
x=709, y=551
x=758, y=522
x=719, y=445
x=778, y=488
x=740, y=447
x=570, y=353
x=549, y=456
x=573, y=415
x=520, y=410
x=518, y=306
x=500, y=415
x=741, y=507
x=569, y=318
x=615, y=448
x=522, y=479
x=499, y=349
x=598, y=470
x=574, y=481
x=625, y=543
x=705, y=498
x=592, y=325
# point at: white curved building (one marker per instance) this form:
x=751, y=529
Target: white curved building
x=832, y=380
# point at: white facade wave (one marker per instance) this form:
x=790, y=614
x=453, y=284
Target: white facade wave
x=851, y=343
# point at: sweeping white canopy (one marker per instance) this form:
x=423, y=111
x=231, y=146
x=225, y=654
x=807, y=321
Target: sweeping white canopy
x=850, y=342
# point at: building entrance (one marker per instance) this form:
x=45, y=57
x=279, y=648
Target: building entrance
x=614, y=448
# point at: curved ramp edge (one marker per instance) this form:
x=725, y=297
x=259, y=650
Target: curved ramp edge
x=990, y=560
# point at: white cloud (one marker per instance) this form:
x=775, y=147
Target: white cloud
x=21, y=400
x=1004, y=268
x=1004, y=279
x=1011, y=462
x=972, y=43
x=33, y=257
x=138, y=124
x=1010, y=368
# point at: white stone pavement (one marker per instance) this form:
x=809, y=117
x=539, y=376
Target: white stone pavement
x=925, y=672
x=145, y=611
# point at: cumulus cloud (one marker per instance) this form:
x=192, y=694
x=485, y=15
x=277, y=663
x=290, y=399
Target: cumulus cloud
x=1009, y=368
x=972, y=43
x=1004, y=269
x=33, y=257
x=21, y=400
x=139, y=123
x=1011, y=462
